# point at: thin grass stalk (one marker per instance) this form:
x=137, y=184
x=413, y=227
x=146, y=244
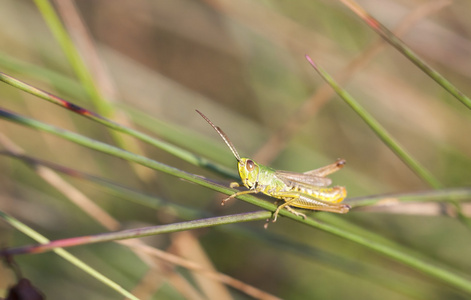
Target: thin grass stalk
x=378, y=129
x=392, y=39
x=174, y=150
x=73, y=56
x=66, y=255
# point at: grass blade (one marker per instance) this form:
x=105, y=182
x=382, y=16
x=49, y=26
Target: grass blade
x=73, y=56
x=176, y=151
x=66, y=255
x=378, y=129
x=388, y=36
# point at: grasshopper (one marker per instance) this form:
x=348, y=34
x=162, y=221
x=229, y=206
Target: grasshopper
x=308, y=190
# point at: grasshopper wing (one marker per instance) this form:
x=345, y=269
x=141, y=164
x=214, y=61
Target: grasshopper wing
x=311, y=178
x=307, y=179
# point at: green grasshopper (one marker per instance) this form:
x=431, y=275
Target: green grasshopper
x=308, y=190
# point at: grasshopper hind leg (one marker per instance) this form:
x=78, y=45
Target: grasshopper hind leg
x=286, y=205
x=297, y=213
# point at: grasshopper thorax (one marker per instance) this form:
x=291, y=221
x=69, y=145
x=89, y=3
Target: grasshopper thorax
x=248, y=171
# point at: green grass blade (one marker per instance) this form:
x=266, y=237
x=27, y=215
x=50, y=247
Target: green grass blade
x=66, y=255
x=73, y=56
x=174, y=150
x=400, y=254
x=118, y=152
x=388, y=36
x=378, y=129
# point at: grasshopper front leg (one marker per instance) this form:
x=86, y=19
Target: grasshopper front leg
x=234, y=185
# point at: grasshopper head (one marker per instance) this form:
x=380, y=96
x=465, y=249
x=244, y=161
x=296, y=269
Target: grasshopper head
x=248, y=171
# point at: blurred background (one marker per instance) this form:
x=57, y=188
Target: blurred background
x=242, y=64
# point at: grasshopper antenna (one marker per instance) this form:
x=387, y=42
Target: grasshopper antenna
x=222, y=134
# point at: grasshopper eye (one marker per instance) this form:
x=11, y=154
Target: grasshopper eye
x=250, y=165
